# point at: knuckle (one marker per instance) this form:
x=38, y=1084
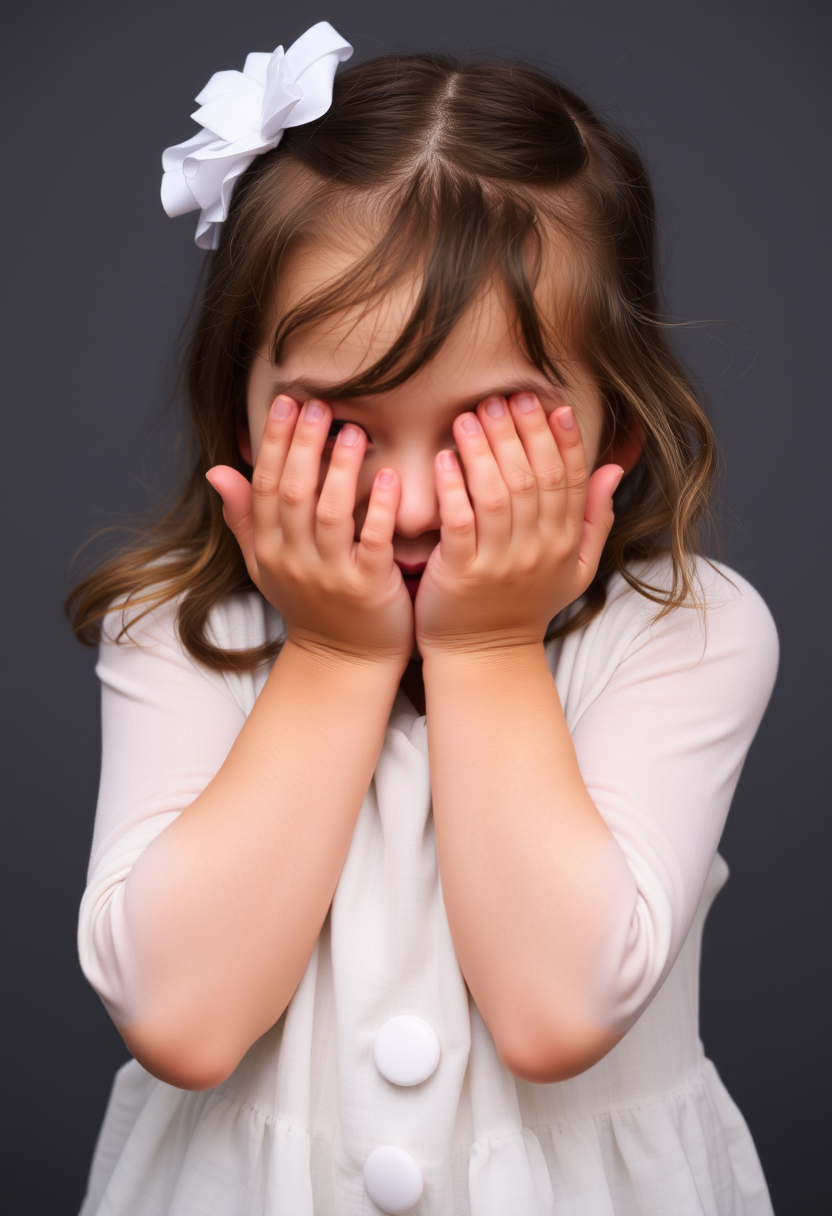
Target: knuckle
x=551, y=477
x=304, y=437
x=496, y=501
x=270, y=445
x=529, y=562
x=343, y=455
x=292, y=491
x=329, y=514
x=263, y=482
x=538, y=427
x=460, y=524
x=293, y=569
x=522, y=483
x=566, y=545
x=263, y=556
x=577, y=477
x=271, y=437
x=374, y=539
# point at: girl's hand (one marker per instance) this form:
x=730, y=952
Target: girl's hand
x=336, y=595
x=525, y=538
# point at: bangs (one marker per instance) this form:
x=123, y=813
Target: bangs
x=455, y=237
x=459, y=180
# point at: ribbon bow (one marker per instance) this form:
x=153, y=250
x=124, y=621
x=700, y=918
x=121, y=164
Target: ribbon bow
x=243, y=115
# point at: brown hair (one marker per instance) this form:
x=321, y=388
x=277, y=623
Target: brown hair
x=466, y=172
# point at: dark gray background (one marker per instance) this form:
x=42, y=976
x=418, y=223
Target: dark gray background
x=728, y=101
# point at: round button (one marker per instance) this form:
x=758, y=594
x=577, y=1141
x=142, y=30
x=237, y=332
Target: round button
x=406, y=1050
x=393, y=1179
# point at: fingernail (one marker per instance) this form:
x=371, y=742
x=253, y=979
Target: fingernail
x=386, y=478
x=525, y=402
x=617, y=481
x=349, y=435
x=495, y=407
x=566, y=418
x=447, y=460
x=282, y=407
x=470, y=424
x=313, y=411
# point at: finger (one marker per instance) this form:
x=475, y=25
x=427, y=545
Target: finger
x=334, y=520
x=513, y=463
x=298, y=488
x=598, y=520
x=268, y=467
x=543, y=455
x=567, y=434
x=458, y=531
x=374, y=551
x=486, y=488
x=237, y=495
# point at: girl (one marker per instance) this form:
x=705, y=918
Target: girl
x=416, y=749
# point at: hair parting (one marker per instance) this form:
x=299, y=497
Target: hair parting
x=453, y=177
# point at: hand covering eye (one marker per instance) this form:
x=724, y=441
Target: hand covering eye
x=338, y=423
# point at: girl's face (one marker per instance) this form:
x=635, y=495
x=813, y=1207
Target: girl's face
x=407, y=426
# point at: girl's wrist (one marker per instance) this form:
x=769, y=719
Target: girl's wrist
x=480, y=653
x=330, y=656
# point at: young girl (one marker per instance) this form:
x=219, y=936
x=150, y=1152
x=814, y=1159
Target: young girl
x=421, y=721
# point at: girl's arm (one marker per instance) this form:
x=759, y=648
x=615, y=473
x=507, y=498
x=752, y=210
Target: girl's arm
x=572, y=864
x=533, y=881
x=219, y=915
x=204, y=938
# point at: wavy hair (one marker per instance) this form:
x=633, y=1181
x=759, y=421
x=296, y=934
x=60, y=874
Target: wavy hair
x=467, y=174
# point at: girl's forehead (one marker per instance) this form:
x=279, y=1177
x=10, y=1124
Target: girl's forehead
x=348, y=323
x=482, y=355
x=483, y=350
x=315, y=267
x=342, y=345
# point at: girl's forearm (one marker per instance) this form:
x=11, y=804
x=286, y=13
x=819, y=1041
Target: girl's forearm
x=220, y=913
x=531, y=876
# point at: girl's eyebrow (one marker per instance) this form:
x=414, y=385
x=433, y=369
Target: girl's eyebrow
x=303, y=390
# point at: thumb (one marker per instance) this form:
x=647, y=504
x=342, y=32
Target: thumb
x=237, y=508
x=598, y=517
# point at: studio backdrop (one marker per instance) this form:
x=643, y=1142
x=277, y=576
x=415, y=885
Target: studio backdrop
x=728, y=103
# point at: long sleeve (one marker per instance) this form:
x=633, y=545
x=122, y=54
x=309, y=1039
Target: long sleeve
x=662, y=714
x=167, y=726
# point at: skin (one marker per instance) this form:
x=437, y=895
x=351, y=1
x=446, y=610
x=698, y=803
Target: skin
x=480, y=468
x=406, y=429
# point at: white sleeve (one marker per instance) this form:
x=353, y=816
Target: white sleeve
x=660, y=749
x=167, y=726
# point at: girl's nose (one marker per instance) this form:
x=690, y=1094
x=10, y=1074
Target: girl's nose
x=419, y=507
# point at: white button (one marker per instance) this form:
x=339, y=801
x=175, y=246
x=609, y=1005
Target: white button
x=393, y=1179
x=406, y=1050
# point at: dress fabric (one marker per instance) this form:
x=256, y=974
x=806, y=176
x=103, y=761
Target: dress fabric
x=662, y=714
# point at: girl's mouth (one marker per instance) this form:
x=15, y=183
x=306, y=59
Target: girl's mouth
x=411, y=573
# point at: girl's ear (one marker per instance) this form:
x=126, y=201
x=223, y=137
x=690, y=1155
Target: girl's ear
x=626, y=447
x=244, y=441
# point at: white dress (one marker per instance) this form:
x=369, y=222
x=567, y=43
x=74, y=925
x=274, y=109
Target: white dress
x=661, y=715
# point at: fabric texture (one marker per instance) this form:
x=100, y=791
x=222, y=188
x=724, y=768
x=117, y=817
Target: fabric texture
x=662, y=714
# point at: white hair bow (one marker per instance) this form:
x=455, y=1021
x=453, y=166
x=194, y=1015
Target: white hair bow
x=244, y=114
